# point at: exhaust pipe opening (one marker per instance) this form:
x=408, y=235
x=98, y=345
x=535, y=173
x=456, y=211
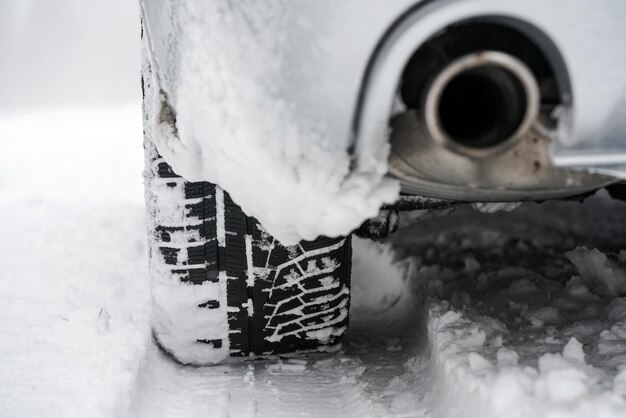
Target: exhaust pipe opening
x=482, y=107
x=481, y=103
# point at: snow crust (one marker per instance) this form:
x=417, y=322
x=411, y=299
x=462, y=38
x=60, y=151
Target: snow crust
x=510, y=336
x=468, y=315
x=229, y=122
x=493, y=207
x=606, y=275
x=74, y=293
x=483, y=385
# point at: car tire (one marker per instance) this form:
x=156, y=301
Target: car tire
x=223, y=288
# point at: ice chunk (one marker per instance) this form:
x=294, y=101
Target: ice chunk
x=605, y=275
x=507, y=357
x=496, y=207
x=616, y=311
x=574, y=350
x=478, y=363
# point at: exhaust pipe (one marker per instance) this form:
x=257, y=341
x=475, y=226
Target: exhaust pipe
x=481, y=103
x=473, y=134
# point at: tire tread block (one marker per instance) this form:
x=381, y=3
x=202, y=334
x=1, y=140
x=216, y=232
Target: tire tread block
x=274, y=326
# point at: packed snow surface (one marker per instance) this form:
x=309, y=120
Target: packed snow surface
x=471, y=314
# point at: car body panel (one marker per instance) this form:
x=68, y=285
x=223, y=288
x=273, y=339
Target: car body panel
x=333, y=45
x=302, y=92
x=321, y=64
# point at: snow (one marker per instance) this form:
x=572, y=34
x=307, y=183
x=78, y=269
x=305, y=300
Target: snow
x=64, y=52
x=466, y=315
x=606, y=276
x=179, y=322
x=73, y=288
x=218, y=114
x=491, y=207
x=514, y=343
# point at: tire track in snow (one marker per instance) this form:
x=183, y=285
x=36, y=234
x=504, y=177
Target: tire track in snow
x=351, y=383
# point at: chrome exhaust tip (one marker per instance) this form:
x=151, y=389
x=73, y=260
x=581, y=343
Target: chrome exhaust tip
x=481, y=104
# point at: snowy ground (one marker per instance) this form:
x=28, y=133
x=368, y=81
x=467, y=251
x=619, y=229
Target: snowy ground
x=467, y=315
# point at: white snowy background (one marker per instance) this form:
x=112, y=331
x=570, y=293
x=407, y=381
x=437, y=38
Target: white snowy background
x=68, y=52
x=465, y=315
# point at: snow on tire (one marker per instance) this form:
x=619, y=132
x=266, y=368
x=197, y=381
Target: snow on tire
x=223, y=287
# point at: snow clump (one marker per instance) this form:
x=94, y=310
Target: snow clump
x=604, y=274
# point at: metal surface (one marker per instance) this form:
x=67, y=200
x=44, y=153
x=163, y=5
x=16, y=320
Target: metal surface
x=524, y=171
x=498, y=138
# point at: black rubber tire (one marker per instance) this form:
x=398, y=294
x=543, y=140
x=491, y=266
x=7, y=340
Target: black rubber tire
x=299, y=295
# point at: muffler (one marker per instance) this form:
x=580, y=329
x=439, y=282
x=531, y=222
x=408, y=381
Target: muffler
x=479, y=134
x=481, y=104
